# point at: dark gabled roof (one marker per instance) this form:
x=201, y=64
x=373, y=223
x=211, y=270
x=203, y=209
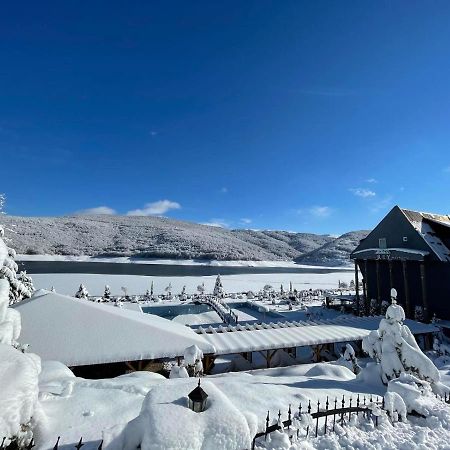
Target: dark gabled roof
x=429, y=233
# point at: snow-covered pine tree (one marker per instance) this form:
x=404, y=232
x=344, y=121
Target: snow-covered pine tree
x=352, y=284
x=394, y=347
x=20, y=286
x=107, y=294
x=218, y=288
x=82, y=292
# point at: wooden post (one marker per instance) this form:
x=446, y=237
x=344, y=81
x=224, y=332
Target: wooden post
x=357, y=288
x=391, y=277
x=366, y=295
x=377, y=266
x=406, y=287
x=424, y=291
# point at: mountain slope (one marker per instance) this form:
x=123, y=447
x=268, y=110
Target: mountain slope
x=334, y=253
x=163, y=238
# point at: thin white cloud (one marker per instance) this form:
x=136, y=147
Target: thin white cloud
x=98, y=210
x=321, y=212
x=246, y=221
x=218, y=223
x=364, y=193
x=371, y=180
x=382, y=204
x=155, y=209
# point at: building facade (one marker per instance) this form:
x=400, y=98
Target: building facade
x=409, y=251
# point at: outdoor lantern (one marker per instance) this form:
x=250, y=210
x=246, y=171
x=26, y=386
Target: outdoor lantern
x=197, y=399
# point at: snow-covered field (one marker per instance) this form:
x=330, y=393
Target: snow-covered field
x=238, y=404
x=68, y=283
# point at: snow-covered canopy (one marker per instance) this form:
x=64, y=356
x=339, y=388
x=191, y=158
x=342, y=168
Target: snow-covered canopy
x=236, y=339
x=79, y=332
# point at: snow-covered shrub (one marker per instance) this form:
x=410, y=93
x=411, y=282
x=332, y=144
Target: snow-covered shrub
x=396, y=349
x=384, y=307
x=106, y=294
x=193, y=360
x=178, y=372
x=349, y=360
x=373, y=307
x=395, y=406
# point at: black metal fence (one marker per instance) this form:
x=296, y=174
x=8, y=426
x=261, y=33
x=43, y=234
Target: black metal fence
x=341, y=411
x=14, y=445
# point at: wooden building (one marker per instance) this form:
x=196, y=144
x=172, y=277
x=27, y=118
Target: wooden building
x=410, y=251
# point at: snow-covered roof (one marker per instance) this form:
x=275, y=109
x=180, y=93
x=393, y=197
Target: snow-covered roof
x=244, y=338
x=79, y=332
x=422, y=222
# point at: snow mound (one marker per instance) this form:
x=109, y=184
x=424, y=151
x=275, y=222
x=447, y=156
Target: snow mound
x=334, y=371
x=222, y=426
x=19, y=389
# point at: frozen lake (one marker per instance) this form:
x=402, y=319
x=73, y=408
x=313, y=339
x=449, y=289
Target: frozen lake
x=166, y=270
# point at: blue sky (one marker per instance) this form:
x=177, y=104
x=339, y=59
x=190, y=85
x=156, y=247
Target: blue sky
x=304, y=116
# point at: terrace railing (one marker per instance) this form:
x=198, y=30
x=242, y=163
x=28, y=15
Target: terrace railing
x=340, y=413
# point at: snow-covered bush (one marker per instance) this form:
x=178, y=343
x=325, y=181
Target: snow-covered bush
x=106, y=294
x=193, y=360
x=396, y=349
x=418, y=313
x=395, y=406
x=349, y=360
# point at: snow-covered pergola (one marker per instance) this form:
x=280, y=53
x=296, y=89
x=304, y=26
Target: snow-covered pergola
x=80, y=332
x=282, y=335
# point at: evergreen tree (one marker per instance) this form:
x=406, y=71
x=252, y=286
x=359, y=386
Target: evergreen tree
x=82, y=293
x=218, y=288
x=107, y=294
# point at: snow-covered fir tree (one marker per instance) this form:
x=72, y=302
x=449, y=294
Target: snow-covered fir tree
x=218, y=288
x=20, y=285
x=82, y=292
x=394, y=347
x=106, y=294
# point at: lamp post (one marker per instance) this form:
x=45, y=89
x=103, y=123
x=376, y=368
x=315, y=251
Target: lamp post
x=198, y=399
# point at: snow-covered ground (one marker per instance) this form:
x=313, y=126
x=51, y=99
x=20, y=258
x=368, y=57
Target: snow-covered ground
x=175, y=262
x=238, y=404
x=95, y=283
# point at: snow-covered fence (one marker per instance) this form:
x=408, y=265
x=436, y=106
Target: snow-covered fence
x=301, y=423
x=13, y=445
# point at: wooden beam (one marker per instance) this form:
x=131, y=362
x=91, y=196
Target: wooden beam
x=406, y=287
x=377, y=266
x=424, y=291
x=366, y=285
x=357, y=288
x=391, y=275
x=130, y=366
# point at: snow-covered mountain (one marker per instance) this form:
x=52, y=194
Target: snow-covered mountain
x=334, y=253
x=159, y=237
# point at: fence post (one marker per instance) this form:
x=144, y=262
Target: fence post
x=343, y=405
x=289, y=416
x=350, y=413
x=317, y=419
x=334, y=415
x=267, y=425
x=326, y=417
x=57, y=443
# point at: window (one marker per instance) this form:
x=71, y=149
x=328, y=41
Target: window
x=382, y=243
